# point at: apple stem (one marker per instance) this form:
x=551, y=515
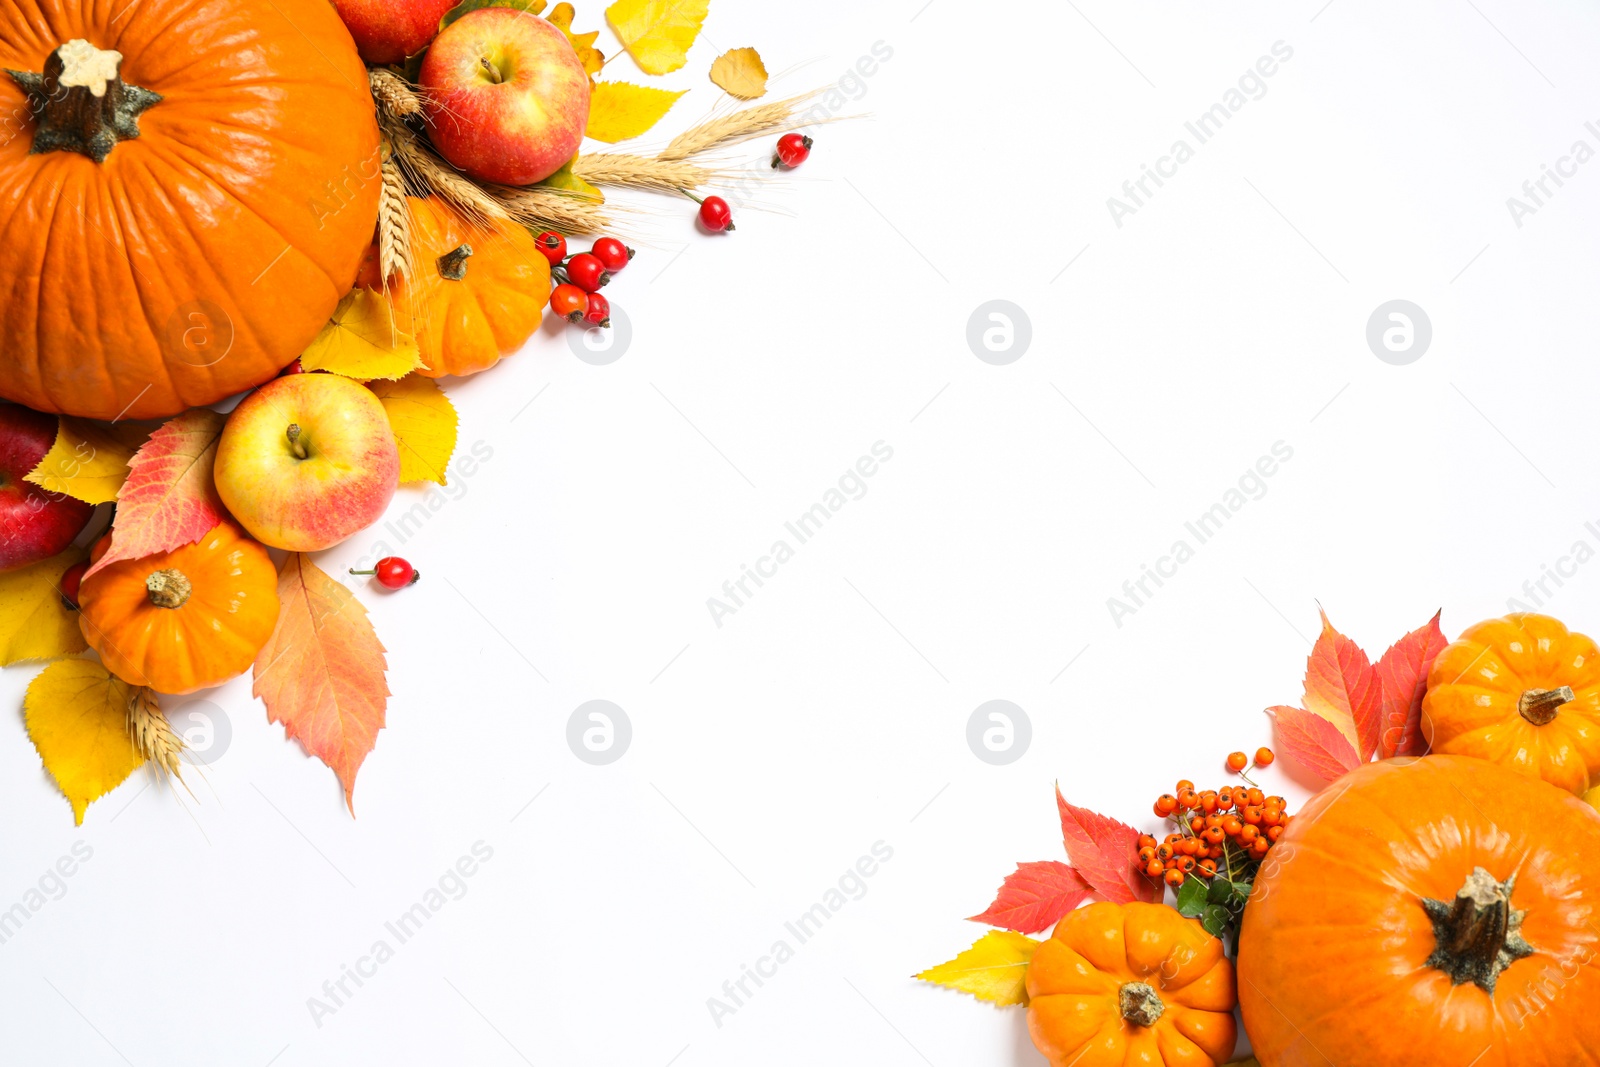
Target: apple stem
x=492, y=70
x=295, y=446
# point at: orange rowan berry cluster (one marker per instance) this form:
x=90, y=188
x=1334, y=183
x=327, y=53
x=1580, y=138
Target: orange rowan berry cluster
x=1210, y=822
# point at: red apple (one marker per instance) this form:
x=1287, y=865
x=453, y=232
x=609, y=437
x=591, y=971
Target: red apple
x=307, y=460
x=507, y=100
x=389, y=31
x=34, y=524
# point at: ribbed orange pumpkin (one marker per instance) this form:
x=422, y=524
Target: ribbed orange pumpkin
x=1131, y=984
x=479, y=292
x=184, y=234
x=1426, y=912
x=1523, y=691
x=186, y=619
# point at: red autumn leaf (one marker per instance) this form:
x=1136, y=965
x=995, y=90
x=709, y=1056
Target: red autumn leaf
x=168, y=499
x=1103, y=851
x=321, y=673
x=1342, y=688
x=1315, y=743
x=1035, y=896
x=1403, y=680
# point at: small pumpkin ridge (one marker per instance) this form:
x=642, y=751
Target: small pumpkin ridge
x=1140, y=1003
x=168, y=588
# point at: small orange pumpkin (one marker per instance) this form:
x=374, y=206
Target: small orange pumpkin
x=1421, y=912
x=186, y=619
x=478, y=294
x=1131, y=983
x=1522, y=691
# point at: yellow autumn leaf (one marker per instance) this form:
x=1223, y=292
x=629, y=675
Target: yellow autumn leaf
x=620, y=110
x=89, y=460
x=740, y=72
x=995, y=968
x=424, y=424
x=77, y=717
x=569, y=182
x=361, y=341
x=582, y=43
x=657, y=33
x=34, y=622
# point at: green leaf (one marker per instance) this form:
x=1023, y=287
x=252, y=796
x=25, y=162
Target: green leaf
x=566, y=181
x=1192, y=898
x=533, y=7
x=1221, y=889
x=1215, y=919
x=1241, y=893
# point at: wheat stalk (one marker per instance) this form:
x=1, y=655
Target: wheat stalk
x=738, y=126
x=153, y=737
x=394, y=95
x=641, y=172
x=427, y=173
x=395, y=254
x=549, y=209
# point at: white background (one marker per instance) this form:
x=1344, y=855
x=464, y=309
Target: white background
x=830, y=711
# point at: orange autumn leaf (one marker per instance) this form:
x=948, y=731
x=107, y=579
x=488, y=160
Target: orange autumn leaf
x=1314, y=743
x=1342, y=688
x=321, y=673
x=1403, y=680
x=1100, y=849
x=169, y=498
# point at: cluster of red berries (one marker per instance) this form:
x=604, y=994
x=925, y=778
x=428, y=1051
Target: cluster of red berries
x=580, y=276
x=1210, y=823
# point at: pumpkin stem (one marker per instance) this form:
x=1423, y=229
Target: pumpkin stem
x=1140, y=1004
x=81, y=101
x=1477, y=935
x=295, y=445
x=453, y=264
x=1539, y=706
x=168, y=588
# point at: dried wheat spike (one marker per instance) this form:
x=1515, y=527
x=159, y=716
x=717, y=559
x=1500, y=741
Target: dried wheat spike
x=393, y=94
x=641, y=172
x=395, y=254
x=152, y=735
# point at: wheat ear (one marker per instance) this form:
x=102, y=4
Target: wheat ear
x=739, y=126
x=393, y=94
x=153, y=737
x=395, y=254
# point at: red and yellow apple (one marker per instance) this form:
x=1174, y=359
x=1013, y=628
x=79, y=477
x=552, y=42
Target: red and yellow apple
x=390, y=31
x=307, y=460
x=505, y=96
x=34, y=524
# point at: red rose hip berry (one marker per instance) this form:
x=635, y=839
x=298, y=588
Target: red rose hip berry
x=612, y=253
x=793, y=150
x=587, y=272
x=599, y=313
x=569, y=302
x=553, y=245
x=392, y=572
x=715, y=215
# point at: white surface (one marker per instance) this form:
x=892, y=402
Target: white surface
x=830, y=712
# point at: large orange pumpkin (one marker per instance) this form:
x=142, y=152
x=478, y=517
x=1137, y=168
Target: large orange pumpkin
x=1131, y=984
x=1424, y=912
x=182, y=235
x=186, y=619
x=478, y=293
x=1522, y=691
